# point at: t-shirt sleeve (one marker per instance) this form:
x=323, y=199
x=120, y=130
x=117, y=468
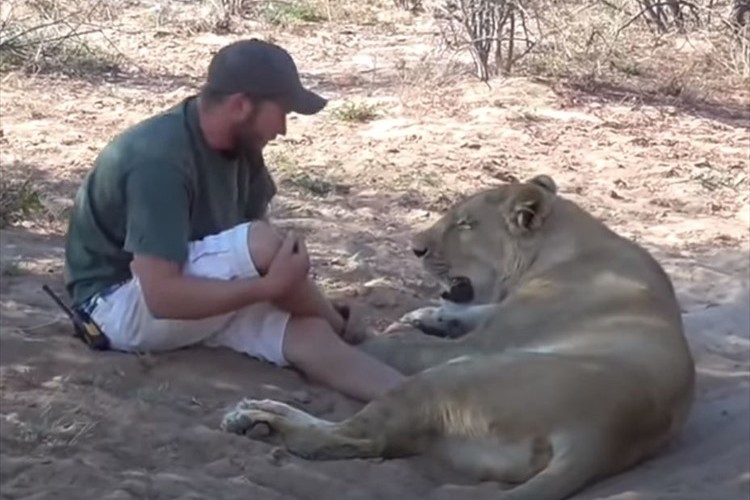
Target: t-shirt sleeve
x=158, y=212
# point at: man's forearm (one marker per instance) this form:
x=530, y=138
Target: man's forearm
x=187, y=297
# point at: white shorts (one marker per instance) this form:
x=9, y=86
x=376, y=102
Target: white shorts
x=257, y=330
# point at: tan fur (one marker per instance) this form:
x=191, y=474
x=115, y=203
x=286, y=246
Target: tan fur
x=568, y=365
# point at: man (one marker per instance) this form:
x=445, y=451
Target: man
x=169, y=244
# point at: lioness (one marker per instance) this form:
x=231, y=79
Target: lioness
x=560, y=360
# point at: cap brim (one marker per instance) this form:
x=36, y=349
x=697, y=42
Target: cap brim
x=307, y=102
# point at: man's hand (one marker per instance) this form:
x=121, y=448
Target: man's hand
x=355, y=329
x=289, y=267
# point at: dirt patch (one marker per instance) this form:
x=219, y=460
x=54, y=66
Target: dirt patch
x=388, y=155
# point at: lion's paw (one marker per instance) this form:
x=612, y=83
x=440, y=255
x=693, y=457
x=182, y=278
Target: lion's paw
x=431, y=321
x=270, y=406
x=250, y=412
x=237, y=421
x=277, y=415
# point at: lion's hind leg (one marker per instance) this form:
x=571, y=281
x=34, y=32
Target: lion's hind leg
x=492, y=459
x=551, y=469
x=303, y=434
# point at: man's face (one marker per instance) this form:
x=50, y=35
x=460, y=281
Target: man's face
x=258, y=123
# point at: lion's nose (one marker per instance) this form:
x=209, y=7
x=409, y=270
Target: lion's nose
x=419, y=252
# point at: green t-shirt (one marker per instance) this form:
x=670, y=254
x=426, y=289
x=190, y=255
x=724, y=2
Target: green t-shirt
x=153, y=189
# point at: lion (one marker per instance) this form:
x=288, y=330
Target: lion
x=556, y=359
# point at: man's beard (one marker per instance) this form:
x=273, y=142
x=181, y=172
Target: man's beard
x=246, y=138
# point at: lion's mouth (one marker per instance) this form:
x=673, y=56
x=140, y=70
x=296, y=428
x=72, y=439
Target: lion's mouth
x=460, y=290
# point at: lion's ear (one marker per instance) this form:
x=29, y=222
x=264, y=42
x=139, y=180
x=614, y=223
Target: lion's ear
x=544, y=181
x=528, y=208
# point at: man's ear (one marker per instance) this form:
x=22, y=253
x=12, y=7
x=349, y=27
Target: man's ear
x=530, y=205
x=240, y=105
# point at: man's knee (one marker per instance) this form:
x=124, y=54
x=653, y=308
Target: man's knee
x=305, y=338
x=263, y=241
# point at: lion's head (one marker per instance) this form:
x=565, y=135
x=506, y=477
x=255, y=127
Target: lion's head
x=484, y=243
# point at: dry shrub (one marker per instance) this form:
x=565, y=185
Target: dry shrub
x=414, y=6
x=490, y=29
x=692, y=53
x=51, y=36
x=732, y=49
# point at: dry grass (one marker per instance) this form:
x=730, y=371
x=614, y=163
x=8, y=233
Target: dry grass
x=19, y=200
x=356, y=112
x=53, y=428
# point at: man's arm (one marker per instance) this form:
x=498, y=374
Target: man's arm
x=157, y=234
x=171, y=294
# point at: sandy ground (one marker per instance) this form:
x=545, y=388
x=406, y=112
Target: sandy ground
x=75, y=424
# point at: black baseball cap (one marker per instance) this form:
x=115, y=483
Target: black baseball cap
x=261, y=69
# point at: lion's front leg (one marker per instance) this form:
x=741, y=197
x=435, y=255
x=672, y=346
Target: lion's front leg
x=410, y=351
x=448, y=320
x=303, y=434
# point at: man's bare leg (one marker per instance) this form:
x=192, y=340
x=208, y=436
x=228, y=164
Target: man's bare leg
x=312, y=341
x=264, y=241
x=311, y=345
x=309, y=301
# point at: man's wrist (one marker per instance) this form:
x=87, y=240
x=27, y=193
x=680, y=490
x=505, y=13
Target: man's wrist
x=266, y=289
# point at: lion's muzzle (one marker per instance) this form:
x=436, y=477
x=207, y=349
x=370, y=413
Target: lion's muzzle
x=419, y=252
x=461, y=291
